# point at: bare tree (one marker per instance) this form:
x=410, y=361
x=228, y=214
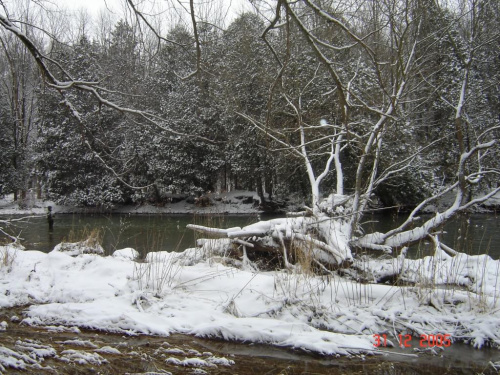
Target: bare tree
x=19, y=82
x=376, y=69
x=57, y=77
x=475, y=142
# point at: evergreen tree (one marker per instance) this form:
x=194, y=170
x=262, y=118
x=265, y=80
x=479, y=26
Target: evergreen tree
x=75, y=140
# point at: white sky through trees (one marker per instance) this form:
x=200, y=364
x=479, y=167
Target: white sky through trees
x=232, y=7
x=92, y=5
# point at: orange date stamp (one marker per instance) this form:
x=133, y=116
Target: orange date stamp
x=407, y=341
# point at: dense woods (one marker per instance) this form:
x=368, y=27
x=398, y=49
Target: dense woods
x=379, y=100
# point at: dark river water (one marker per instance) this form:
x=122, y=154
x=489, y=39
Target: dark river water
x=473, y=234
x=145, y=233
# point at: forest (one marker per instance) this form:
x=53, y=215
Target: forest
x=389, y=101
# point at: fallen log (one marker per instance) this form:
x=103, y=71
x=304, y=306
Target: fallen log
x=277, y=236
x=299, y=214
x=215, y=232
x=203, y=241
x=448, y=250
x=247, y=233
x=244, y=243
x=320, y=244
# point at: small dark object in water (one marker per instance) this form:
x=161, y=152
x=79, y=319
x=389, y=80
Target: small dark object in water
x=50, y=218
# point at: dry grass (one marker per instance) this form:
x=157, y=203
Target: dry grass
x=7, y=257
x=159, y=271
x=92, y=236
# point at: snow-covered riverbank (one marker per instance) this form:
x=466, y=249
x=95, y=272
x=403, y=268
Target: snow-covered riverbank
x=234, y=202
x=194, y=294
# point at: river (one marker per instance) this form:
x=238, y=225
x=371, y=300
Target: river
x=473, y=234
x=146, y=355
x=145, y=233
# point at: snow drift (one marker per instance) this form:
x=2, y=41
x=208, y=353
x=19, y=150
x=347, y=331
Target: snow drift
x=194, y=294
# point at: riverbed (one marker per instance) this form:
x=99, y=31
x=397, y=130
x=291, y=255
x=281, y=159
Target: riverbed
x=72, y=350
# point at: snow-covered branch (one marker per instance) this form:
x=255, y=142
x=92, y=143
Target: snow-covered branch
x=85, y=86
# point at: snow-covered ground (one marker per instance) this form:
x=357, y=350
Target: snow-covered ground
x=234, y=202
x=225, y=203
x=194, y=294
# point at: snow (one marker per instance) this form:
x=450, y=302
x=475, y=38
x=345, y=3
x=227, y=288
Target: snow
x=31, y=352
x=35, y=349
x=189, y=362
x=197, y=294
x=198, y=362
x=479, y=274
x=10, y=358
x=82, y=357
x=108, y=349
x=223, y=203
x=62, y=329
x=77, y=342
x=82, y=247
x=126, y=254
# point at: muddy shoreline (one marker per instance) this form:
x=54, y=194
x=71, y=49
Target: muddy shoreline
x=71, y=350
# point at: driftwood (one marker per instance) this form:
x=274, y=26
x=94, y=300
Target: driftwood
x=280, y=239
x=214, y=232
x=448, y=249
x=246, y=234
x=307, y=213
x=244, y=243
x=202, y=241
x=319, y=244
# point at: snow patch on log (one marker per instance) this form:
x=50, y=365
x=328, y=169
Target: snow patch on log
x=323, y=236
